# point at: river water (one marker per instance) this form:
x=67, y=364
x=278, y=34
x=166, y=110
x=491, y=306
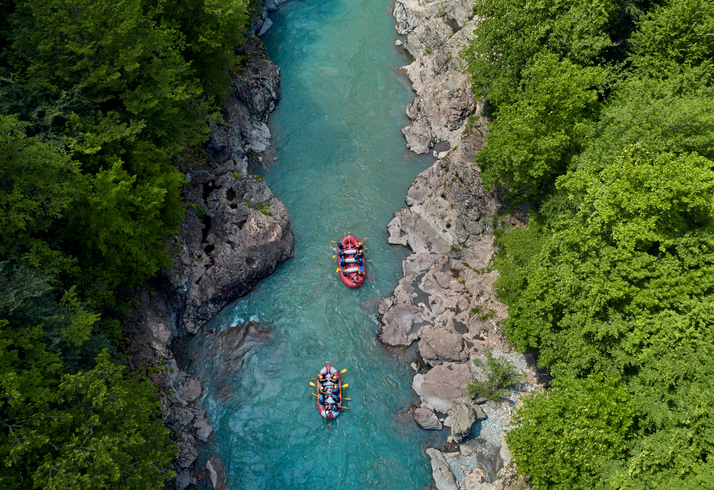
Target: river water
x=340, y=167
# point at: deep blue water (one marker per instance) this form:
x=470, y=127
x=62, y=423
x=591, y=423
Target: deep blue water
x=340, y=167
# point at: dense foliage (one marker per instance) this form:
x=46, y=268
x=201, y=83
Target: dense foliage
x=602, y=119
x=97, y=99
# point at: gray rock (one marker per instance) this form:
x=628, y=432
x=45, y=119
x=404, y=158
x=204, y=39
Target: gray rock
x=245, y=231
x=442, y=344
x=406, y=21
x=183, y=480
x=462, y=418
x=187, y=454
x=427, y=419
x=243, y=237
x=443, y=478
x=212, y=474
x=203, y=429
x=270, y=5
x=466, y=450
x=265, y=25
x=436, y=33
x=190, y=390
x=478, y=412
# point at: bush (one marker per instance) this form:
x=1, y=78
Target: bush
x=501, y=375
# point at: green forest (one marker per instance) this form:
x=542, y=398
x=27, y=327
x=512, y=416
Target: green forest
x=98, y=99
x=603, y=125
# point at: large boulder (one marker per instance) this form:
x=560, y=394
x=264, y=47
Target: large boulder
x=443, y=478
x=443, y=384
x=441, y=344
x=462, y=417
x=427, y=419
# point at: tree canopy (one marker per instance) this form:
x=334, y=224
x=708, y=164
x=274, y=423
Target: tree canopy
x=610, y=283
x=97, y=100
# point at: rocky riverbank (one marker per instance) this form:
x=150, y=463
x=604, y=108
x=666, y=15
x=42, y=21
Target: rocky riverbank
x=235, y=233
x=446, y=301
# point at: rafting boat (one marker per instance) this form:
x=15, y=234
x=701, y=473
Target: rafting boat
x=350, y=261
x=329, y=393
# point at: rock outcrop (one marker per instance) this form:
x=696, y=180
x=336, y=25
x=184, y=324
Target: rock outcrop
x=243, y=235
x=436, y=33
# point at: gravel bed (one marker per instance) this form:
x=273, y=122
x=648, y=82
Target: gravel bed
x=488, y=435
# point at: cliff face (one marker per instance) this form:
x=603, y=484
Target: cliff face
x=236, y=232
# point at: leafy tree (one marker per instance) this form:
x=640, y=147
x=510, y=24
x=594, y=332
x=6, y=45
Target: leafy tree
x=533, y=138
x=512, y=32
x=639, y=242
x=39, y=184
x=672, y=115
x=211, y=32
x=95, y=429
x=575, y=436
x=674, y=37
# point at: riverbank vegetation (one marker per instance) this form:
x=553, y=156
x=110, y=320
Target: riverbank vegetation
x=603, y=121
x=97, y=100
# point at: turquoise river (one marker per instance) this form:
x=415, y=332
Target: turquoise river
x=340, y=166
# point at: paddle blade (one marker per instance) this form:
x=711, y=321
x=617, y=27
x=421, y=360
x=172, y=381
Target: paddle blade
x=348, y=399
x=333, y=241
x=338, y=270
x=343, y=371
x=345, y=385
x=313, y=394
x=312, y=384
x=334, y=256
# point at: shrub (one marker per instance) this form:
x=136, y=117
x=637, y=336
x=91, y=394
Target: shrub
x=501, y=375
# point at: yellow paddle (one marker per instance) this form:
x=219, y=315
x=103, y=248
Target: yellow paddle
x=345, y=385
x=313, y=394
x=344, y=371
x=312, y=384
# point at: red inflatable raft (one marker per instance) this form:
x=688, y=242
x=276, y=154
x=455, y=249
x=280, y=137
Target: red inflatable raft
x=329, y=392
x=350, y=260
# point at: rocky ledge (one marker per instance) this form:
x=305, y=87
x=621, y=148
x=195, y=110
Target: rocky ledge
x=436, y=33
x=446, y=301
x=235, y=233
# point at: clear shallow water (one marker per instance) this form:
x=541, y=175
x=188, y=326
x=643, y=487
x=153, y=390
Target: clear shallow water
x=340, y=167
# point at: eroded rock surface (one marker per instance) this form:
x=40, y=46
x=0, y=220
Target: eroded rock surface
x=242, y=237
x=446, y=300
x=436, y=33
